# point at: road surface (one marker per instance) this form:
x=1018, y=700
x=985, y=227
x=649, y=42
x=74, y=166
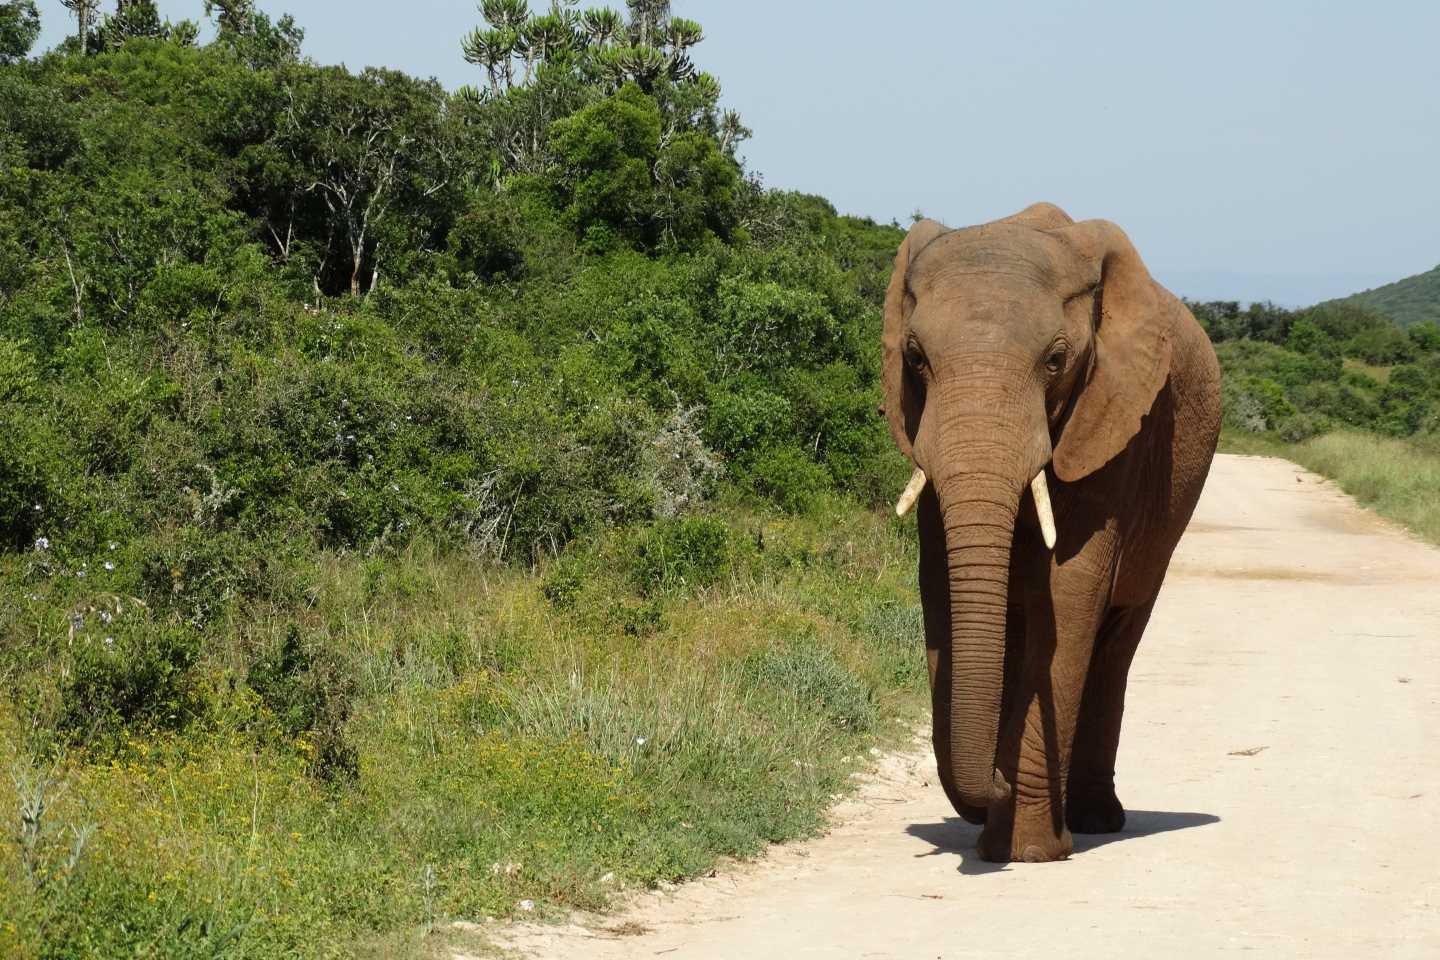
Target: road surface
x=1280, y=765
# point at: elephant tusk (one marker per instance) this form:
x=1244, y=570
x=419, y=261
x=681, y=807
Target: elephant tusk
x=1043, y=509
x=911, y=493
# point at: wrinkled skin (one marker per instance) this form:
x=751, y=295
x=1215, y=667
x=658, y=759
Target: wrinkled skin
x=1036, y=343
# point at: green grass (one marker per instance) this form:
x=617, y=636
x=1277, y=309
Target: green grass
x=493, y=736
x=1398, y=479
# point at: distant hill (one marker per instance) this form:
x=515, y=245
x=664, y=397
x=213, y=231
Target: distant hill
x=1405, y=301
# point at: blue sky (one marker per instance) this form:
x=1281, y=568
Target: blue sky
x=1284, y=149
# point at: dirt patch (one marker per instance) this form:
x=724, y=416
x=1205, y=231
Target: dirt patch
x=1202, y=526
x=1280, y=574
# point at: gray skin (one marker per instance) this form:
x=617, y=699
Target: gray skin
x=1036, y=343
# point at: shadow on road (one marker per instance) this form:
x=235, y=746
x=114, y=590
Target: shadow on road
x=954, y=835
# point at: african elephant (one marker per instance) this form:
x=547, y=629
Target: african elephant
x=1061, y=409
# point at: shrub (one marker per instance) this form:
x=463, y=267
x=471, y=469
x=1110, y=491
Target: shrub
x=309, y=690
x=682, y=554
x=747, y=419
x=788, y=478
x=487, y=239
x=1300, y=426
x=129, y=672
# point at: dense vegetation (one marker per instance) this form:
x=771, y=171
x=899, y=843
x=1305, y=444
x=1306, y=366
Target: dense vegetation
x=421, y=504
x=394, y=484
x=1294, y=374
x=1409, y=301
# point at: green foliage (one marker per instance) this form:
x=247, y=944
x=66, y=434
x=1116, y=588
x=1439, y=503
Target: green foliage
x=304, y=371
x=1338, y=364
x=788, y=478
x=19, y=28
x=309, y=691
x=128, y=671
x=620, y=180
x=682, y=554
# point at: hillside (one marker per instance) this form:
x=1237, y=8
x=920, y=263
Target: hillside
x=1407, y=302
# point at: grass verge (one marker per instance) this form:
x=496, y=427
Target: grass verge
x=427, y=738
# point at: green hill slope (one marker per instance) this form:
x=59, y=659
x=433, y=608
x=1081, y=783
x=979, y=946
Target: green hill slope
x=1407, y=301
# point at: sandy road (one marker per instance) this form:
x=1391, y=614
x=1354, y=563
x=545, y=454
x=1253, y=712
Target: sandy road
x=1280, y=765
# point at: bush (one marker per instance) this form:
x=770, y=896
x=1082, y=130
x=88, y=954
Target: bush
x=309, y=691
x=1300, y=426
x=747, y=419
x=682, y=554
x=788, y=478
x=128, y=672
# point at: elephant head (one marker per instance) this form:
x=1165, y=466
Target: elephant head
x=1029, y=344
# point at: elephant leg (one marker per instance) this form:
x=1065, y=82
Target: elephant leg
x=1039, y=729
x=1091, y=805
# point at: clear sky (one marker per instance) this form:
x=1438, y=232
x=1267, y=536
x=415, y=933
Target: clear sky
x=1282, y=149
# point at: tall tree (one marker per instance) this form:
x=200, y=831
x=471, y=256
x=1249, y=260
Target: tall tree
x=84, y=11
x=19, y=26
x=232, y=16
x=364, y=143
x=132, y=18
x=647, y=21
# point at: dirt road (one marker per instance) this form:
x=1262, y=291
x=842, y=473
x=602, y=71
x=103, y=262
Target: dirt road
x=1280, y=765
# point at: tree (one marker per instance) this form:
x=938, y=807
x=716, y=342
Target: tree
x=362, y=143
x=647, y=20
x=84, y=11
x=132, y=18
x=232, y=16
x=19, y=27
x=602, y=27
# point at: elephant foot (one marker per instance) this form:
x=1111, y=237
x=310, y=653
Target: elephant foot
x=1024, y=843
x=1094, y=811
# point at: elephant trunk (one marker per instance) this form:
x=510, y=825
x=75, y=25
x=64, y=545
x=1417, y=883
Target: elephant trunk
x=978, y=513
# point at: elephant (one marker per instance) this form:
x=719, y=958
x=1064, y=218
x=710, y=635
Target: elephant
x=1061, y=410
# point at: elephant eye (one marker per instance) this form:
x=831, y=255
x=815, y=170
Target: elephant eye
x=914, y=356
x=1056, y=361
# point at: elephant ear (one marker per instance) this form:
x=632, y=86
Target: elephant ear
x=1133, y=317
x=902, y=406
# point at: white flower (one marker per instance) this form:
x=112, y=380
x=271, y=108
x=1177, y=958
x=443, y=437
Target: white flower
x=105, y=616
x=109, y=565
x=639, y=741
x=42, y=543
x=527, y=905
x=113, y=544
x=109, y=641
